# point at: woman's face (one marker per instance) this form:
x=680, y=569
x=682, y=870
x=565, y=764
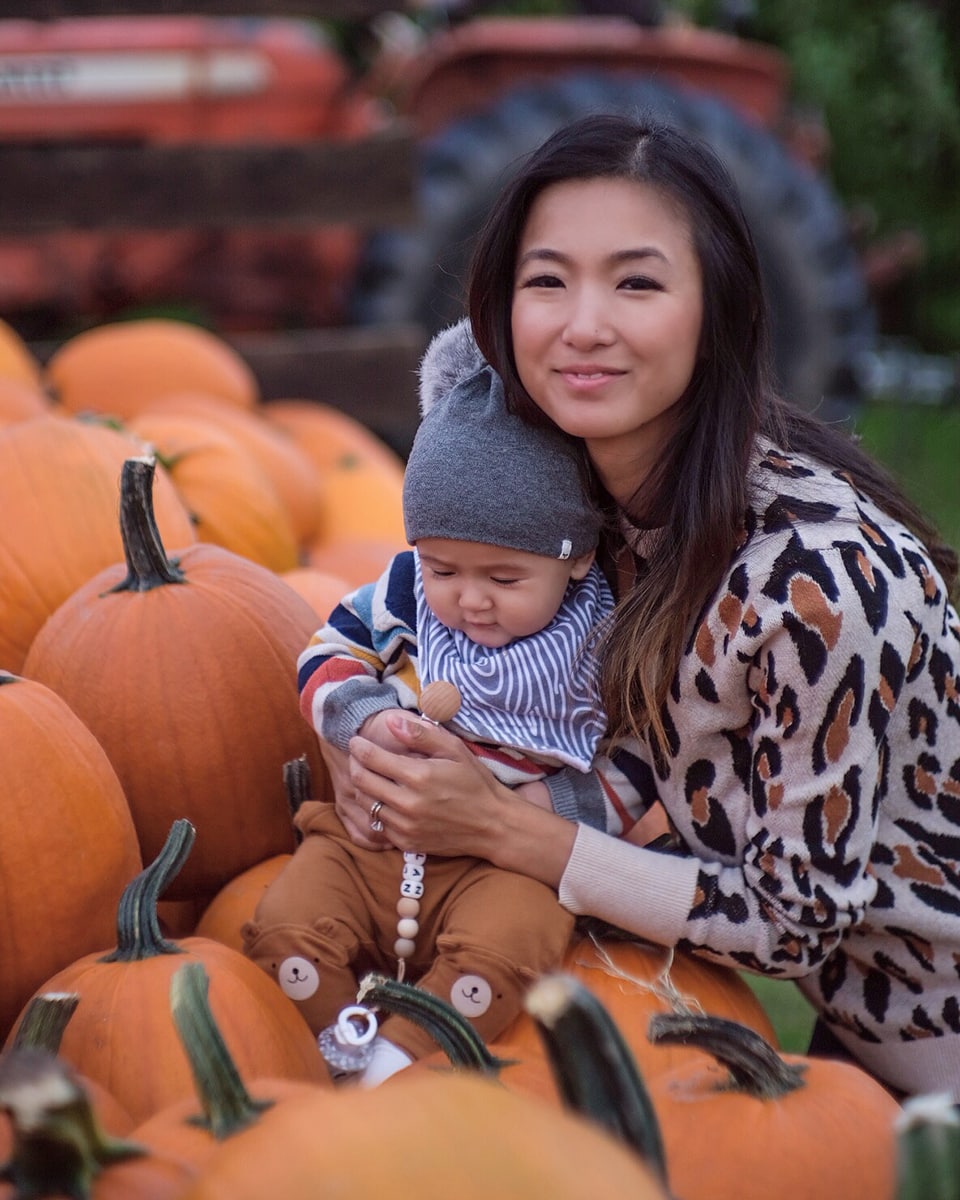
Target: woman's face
x=607, y=309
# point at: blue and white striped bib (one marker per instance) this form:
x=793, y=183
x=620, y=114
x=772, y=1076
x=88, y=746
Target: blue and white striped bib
x=539, y=694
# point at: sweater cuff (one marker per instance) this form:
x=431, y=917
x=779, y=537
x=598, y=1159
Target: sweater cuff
x=346, y=709
x=577, y=797
x=642, y=891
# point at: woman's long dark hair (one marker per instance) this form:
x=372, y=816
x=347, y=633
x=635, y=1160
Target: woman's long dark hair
x=698, y=493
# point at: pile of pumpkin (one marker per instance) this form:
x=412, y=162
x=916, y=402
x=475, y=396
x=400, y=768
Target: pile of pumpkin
x=169, y=543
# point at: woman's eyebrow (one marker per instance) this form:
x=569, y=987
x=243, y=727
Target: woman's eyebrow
x=545, y=254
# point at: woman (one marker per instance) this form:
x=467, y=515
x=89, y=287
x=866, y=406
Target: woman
x=784, y=658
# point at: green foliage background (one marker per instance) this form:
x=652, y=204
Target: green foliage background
x=884, y=76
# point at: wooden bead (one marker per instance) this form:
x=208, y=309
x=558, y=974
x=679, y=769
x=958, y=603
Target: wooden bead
x=408, y=907
x=407, y=927
x=440, y=701
x=404, y=947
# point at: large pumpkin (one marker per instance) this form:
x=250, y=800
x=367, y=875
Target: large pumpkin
x=199, y=710
x=68, y=847
x=58, y=496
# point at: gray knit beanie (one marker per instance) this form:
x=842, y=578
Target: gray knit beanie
x=478, y=473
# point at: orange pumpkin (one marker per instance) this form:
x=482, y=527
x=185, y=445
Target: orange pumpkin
x=296, y=479
x=200, y=709
x=68, y=847
x=738, y=1109
x=232, y=501
x=362, y=477
x=322, y=590
x=235, y=903
x=122, y=1033
x=633, y=979
x=356, y=559
x=430, y=1137
x=119, y=368
x=58, y=494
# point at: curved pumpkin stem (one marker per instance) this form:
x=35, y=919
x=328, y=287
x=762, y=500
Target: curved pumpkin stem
x=44, y=1020
x=593, y=1067
x=226, y=1103
x=452, y=1032
x=58, y=1145
x=138, y=925
x=753, y=1064
x=147, y=563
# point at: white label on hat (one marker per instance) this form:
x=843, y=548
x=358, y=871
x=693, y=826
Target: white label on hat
x=565, y=547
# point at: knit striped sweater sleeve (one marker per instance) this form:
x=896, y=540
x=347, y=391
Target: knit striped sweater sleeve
x=363, y=659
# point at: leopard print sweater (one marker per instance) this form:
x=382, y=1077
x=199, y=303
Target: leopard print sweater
x=813, y=777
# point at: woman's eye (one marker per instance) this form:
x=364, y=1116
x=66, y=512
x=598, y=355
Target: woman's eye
x=641, y=283
x=542, y=281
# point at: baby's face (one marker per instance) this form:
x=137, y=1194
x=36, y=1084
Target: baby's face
x=491, y=594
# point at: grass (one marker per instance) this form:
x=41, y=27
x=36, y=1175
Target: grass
x=791, y=1015
x=920, y=445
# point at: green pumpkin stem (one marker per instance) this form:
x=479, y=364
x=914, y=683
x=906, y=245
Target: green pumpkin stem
x=44, y=1020
x=452, y=1032
x=593, y=1067
x=226, y=1103
x=753, y=1065
x=147, y=564
x=59, y=1147
x=139, y=934
x=928, y=1149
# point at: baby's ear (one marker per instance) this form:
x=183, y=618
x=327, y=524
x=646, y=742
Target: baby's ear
x=580, y=566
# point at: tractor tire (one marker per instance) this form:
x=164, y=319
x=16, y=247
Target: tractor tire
x=823, y=322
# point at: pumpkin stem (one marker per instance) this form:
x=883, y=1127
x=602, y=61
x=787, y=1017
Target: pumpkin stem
x=147, y=563
x=754, y=1066
x=928, y=1149
x=58, y=1145
x=594, y=1069
x=139, y=934
x=298, y=786
x=227, y=1105
x=452, y=1032
x=44, y=1020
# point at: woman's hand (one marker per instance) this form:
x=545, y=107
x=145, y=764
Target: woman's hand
x=437, y=797
x=353, y=808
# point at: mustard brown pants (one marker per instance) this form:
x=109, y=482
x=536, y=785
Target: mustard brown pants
x=331, y=916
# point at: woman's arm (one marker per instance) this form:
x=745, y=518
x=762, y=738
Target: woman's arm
x=438, y=798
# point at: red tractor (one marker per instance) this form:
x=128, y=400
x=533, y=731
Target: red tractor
x=479, y=93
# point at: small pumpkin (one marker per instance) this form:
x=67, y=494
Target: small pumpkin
x=200, y=708
x=739, y=1109
x=122, y=1033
